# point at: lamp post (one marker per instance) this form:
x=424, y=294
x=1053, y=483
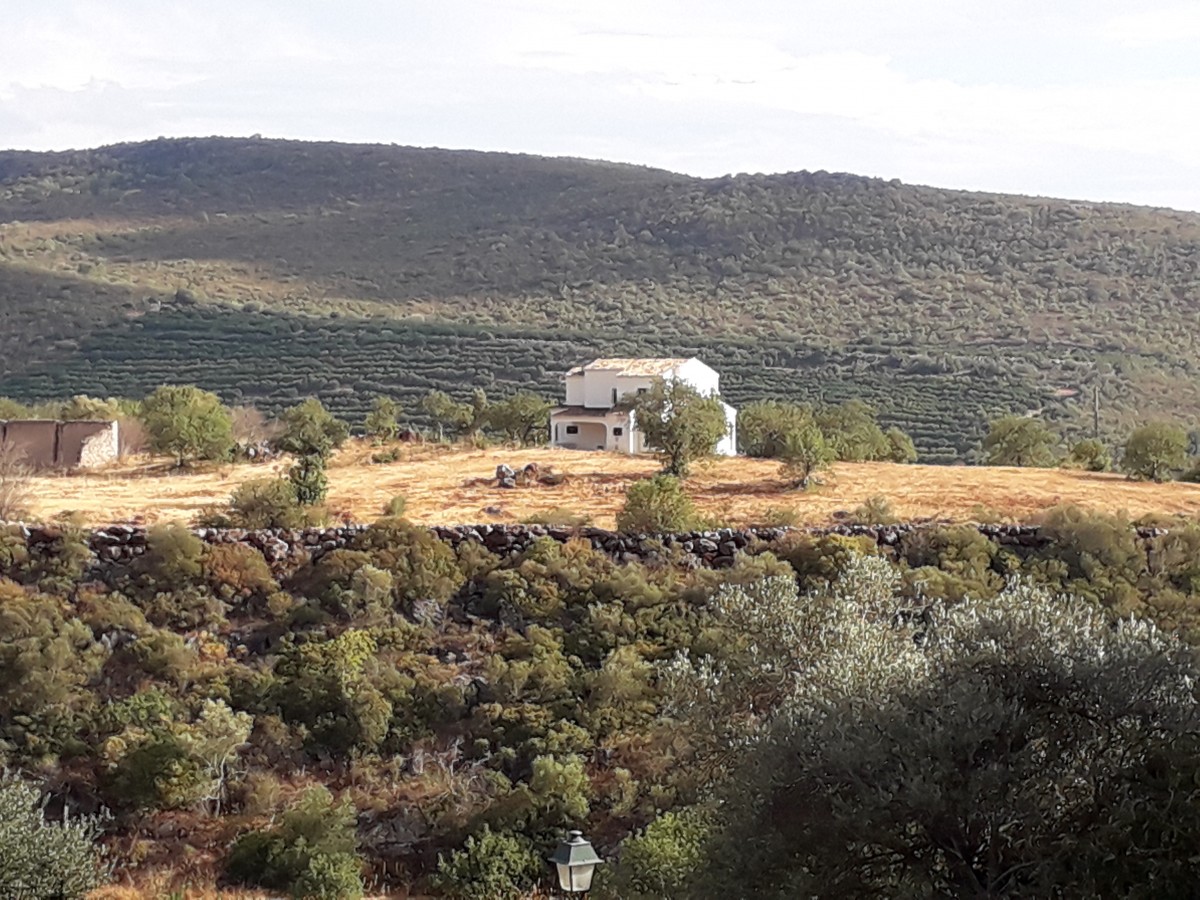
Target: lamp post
x=575, y=860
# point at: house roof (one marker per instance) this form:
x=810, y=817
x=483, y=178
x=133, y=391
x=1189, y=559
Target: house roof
x=587, y=412
x=644, y=367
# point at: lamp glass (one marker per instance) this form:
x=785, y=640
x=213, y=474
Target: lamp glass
x=575, y=879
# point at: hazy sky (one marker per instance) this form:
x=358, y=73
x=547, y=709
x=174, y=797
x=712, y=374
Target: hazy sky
x=1094, y=100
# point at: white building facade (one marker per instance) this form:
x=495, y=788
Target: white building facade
x=592, y=417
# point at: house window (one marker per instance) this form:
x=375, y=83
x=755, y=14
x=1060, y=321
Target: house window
x=614, y=396
x=572, y=429
x=618, y=431
x=641, y=390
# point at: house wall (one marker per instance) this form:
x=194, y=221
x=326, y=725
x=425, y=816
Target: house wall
x=703, y=378
x=47, y=444
x=574, y=390
x=727, y=446
x=592, y=435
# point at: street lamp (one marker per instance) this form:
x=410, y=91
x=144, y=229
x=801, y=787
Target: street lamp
x=576, y=862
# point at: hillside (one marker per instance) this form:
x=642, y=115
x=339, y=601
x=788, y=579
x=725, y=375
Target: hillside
x=269, y=270
x=445, y=486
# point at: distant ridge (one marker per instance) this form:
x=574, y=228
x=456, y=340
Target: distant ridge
x=126, y=265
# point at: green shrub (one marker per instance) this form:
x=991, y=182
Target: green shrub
x=491, y=866
x=310, y=853
x=559, y=515
x=422, y=566
x=661, y=859
x=266, y=503
x=174, y=558
x=161, y=773
x=386, y=456
x=875, y=510
x=395, y=507
x=1089, y=455
x=656, y=505
x=42, y=860
x=238, y=571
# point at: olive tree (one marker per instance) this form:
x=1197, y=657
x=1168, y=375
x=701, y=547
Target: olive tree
x=1012, y=747
x=1019, y=441
x=310, y=433
x=40, y=859
x=187, y=423
x=679, y=422
x=1155, y=451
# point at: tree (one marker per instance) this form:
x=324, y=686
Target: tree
x=803, y=451
x=523, y=417
x=310, y=433
x=1012, y=747
x=1019, y=441
x=764, y=425
x=447, y=413
x=309, y=429
x=853, y=433
x=381, y=422
x=187, y=423
x=42, y=860
x=680, y=423
x=1155, y=451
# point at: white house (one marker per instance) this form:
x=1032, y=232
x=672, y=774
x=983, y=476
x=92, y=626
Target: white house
x=591, y=420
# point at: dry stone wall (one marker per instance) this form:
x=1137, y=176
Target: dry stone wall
x=286, y=548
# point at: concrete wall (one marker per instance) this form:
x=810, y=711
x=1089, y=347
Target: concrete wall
x=47, y=444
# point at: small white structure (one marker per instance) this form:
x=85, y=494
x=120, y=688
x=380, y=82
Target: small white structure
x=594, y=416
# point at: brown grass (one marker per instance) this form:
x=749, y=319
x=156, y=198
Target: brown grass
x=449, y=486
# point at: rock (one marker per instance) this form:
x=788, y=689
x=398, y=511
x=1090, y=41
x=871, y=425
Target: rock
x=503, y=471
x=506, y=482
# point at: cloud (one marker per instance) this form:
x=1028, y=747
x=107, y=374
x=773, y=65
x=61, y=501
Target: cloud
x=1026, y=98
x=1153, y=27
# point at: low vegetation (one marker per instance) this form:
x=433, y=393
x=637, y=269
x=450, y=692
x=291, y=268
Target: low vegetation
x=396, y=714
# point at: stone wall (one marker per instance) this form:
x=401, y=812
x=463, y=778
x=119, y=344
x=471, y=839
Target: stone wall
x=285, y=549
x=48, y=444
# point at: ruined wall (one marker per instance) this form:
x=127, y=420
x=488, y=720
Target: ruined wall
x=286, y=549
x=47, y=444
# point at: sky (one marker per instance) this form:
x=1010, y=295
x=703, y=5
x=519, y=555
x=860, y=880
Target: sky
x=1091, y=100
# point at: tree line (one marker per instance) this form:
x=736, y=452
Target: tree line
x=1155, y=451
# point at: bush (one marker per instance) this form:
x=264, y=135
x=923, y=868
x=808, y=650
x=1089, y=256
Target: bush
x=660, y=860
x=493, y=866
x=310, y=853
x=656, y=505
x=42, y=860
x=559, y=515
x=266, y=503
x=1089, y=455
x=237, y=570
x=875, y=510
x=424, y=567
x=395, y=507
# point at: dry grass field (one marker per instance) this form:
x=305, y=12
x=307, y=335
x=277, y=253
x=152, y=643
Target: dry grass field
x=453, y=486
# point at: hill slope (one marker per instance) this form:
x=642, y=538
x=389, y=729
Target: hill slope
x=273, y=269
